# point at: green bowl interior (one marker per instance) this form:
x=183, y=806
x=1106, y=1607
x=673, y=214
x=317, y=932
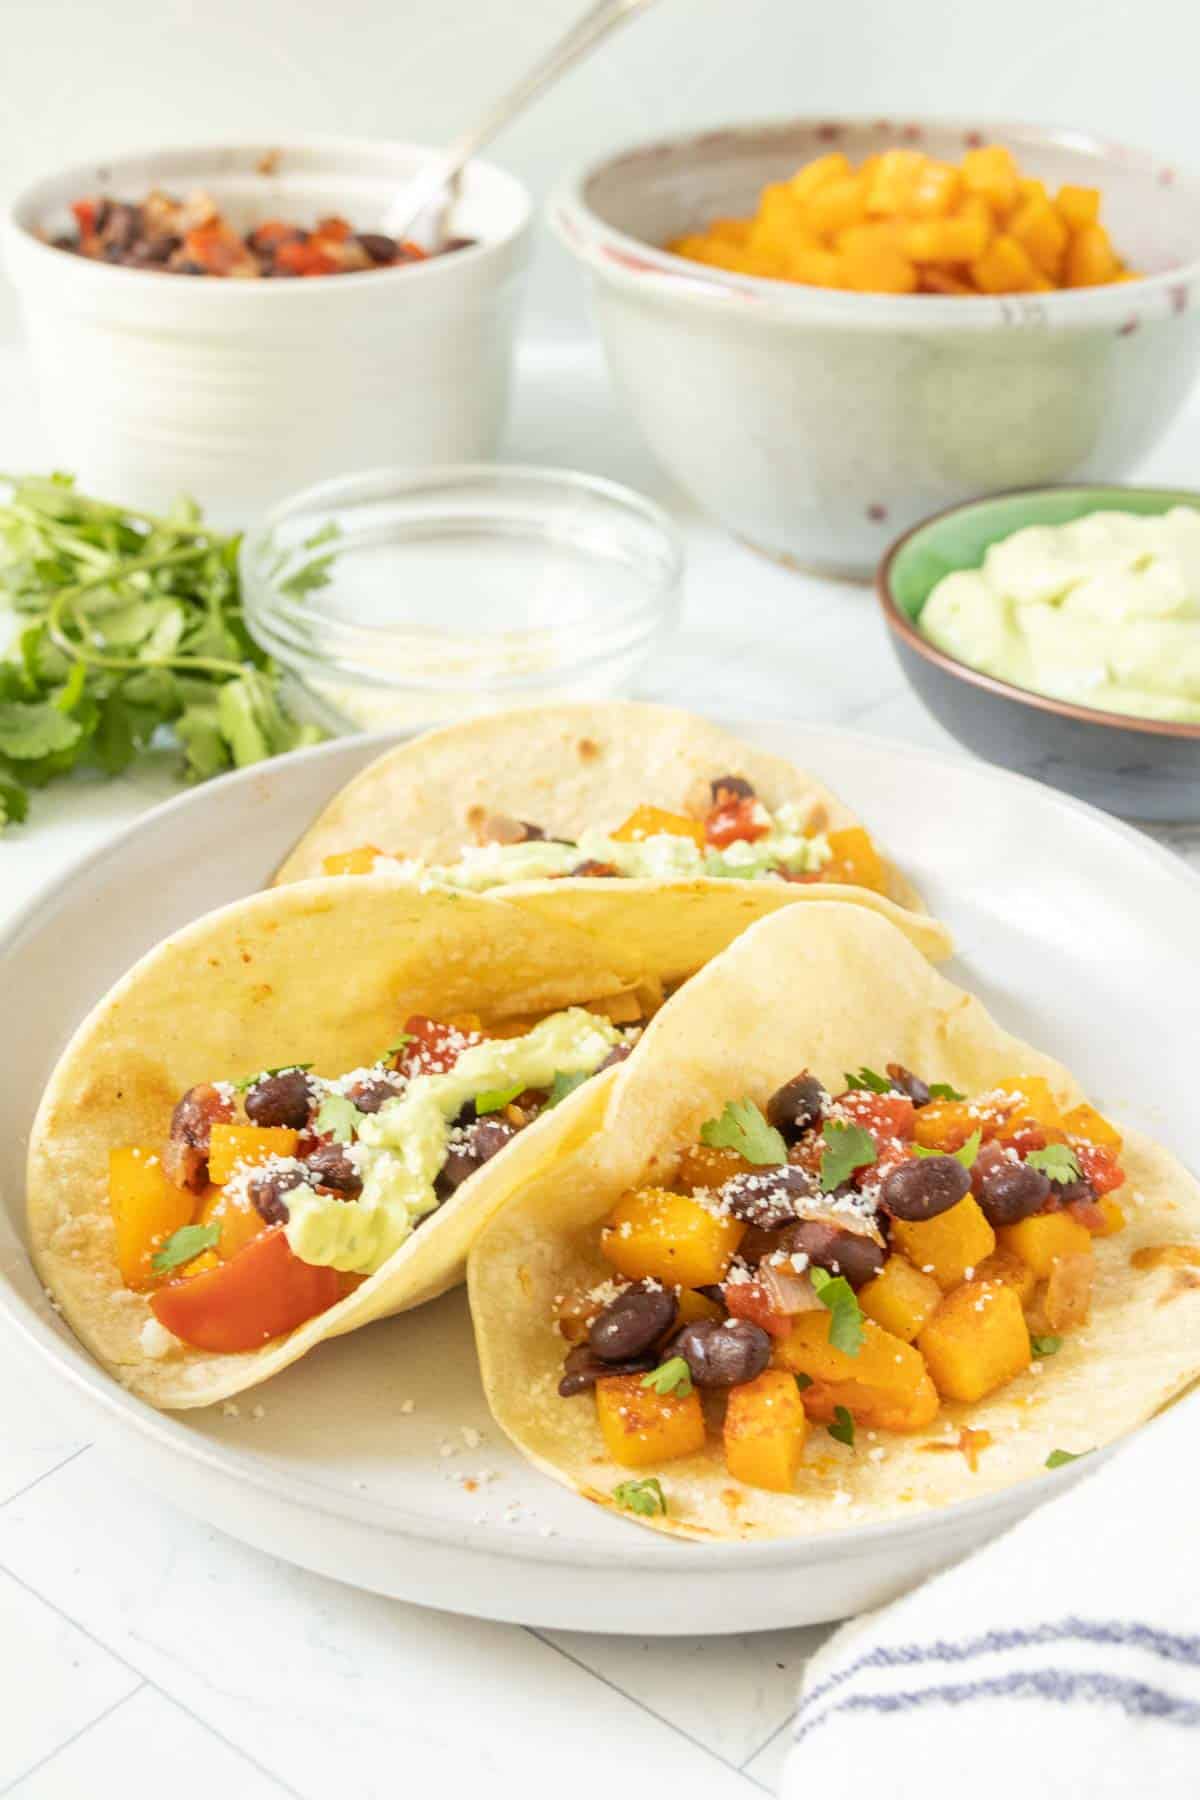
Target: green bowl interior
x=958, y=539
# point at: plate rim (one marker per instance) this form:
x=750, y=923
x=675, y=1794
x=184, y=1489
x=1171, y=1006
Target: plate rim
x=651, y=1552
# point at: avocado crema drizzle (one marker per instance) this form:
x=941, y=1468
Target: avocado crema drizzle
x=399, y=1151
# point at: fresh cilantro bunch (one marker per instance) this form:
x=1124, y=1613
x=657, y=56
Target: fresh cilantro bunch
x=128, y=634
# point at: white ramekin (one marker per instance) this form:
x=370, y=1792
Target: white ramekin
x=239, y=392
x=817, y=424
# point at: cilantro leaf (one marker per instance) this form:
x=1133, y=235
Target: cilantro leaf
x=495, y=1099
x=742, y=1127
x=1045, y=1346
x=672, y=1377
x=14, y=802
x=183, y=1244
x=965, y=1154
x=393, y=1050
x=249, y=1081
x=562, y=1085
x=941, y=1090
x=1058, y=1459
x=842, y=1427
x=35, y=728
x=869, y=1080
x=846, y=1319
x=847, y=1147
x=338, y=1118
x=803, y=1381
x=1058, y=1161
x=645, y=1497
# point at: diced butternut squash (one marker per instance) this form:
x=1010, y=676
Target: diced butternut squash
x=1114, y=1217
x=652, y=821
x=947, y=1247
x=936, y=190
x=765, y=1429
x=991, y=173
x=1034, y=1099
x=352, y=862
x=1043, y=1238
x=146, y=1209
x=813, y=265
x=893, y=182
x=1042, y=235
x=1085, y=1122
x=237, y=1219
x=976, y=1341
x=854, y=860
x=959, y=240
x=1007, y=1270
x=669, y=1237
x=230, y=1145
x=835, y=205
x=817, y=173
x=874, y=1408
x=1078, y=206
x=1005, y=267
x=1068, y=1296
x=696, y=1306
x=900, y=1298
x=876, y=269
x=707, y=1166
x=945, y=1125
x=1090, y=259
x=642, y=1427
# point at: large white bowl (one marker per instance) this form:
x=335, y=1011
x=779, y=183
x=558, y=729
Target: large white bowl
x=243, y=391
x=817, y=423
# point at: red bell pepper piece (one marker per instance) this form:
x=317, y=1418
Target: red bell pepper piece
x=257, y=1295
x=1100, y=1167
x=737, y=819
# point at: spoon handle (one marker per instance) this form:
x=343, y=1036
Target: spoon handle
x=596, y=23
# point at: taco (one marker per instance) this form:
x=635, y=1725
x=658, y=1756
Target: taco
x=648, y=794
x=840, y=1248
x=291, y=1117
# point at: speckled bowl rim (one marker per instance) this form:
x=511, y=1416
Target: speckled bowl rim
x=628, y=261
x=901, y=626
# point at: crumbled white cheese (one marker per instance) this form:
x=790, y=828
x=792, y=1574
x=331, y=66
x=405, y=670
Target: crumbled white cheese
x=156, y=1340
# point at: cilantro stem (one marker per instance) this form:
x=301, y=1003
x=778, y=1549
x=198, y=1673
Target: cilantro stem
x=103, y=509
x=97, y=659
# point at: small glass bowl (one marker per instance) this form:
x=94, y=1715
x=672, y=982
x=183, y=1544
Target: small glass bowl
x=410, y=599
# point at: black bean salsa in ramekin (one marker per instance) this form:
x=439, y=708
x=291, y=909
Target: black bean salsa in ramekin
x=191, y=237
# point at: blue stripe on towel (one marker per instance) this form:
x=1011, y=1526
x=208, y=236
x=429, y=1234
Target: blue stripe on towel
x=1137, y=1698
x=1127, y=1635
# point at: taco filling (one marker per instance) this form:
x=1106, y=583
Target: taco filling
x=848, y=1260
x=731, y=836
x=273, y=1197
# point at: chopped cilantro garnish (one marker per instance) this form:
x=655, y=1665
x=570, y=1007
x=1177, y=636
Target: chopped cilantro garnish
x=846, y=1320
x=338, y=1118
x=495, y=1099
x=645, y=1497
x=405, y=1038
x=562, y=1085
x=965, y=1154
x=803, y=1381
x=743, y=1128
x=672, y=1377
x=1058, y=1161
x=249, y=1081
x=847, y=1147
x=842, y=1427
x=941, y=1090
x=1058, y=1459
x=183, y=1244
x=1045, y=1346
x=869, y=1080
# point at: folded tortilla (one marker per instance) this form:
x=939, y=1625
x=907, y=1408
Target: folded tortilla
x=574, y=767
x=325, y=972
x=828, y=987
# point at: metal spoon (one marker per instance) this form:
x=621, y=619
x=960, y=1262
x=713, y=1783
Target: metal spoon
x=438, y=176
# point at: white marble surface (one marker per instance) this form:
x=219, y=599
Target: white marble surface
x=141, y=1652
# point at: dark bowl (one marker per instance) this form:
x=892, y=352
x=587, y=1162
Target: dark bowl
x=1140, y=768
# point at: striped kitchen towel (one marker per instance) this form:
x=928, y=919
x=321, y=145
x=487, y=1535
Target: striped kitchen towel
x=1061, y=1660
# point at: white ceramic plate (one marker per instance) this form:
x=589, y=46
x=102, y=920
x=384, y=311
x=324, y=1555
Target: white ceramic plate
x=1078, y=932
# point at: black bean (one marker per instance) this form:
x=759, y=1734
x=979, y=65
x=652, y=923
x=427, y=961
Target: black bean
x=730, y=787
x=280, y=1100
x=185, y=1158
x=908, y=1083
x=617, y=1054
x=378, y=246
x=767, y=1197
x=1011, y=1191
x=330, y=1167
x=722, y=1353
x=458, y=243
x=835, y=1248
x=756, y=1243
x=924, y=1187
x=1067, y=1193
x=631, y=1322
x=123, y=225
x=583, y=1368
x=797, y=1106
x=478, y=1144
x=594, y=868
x=374, y=1091
x=266, y=1193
